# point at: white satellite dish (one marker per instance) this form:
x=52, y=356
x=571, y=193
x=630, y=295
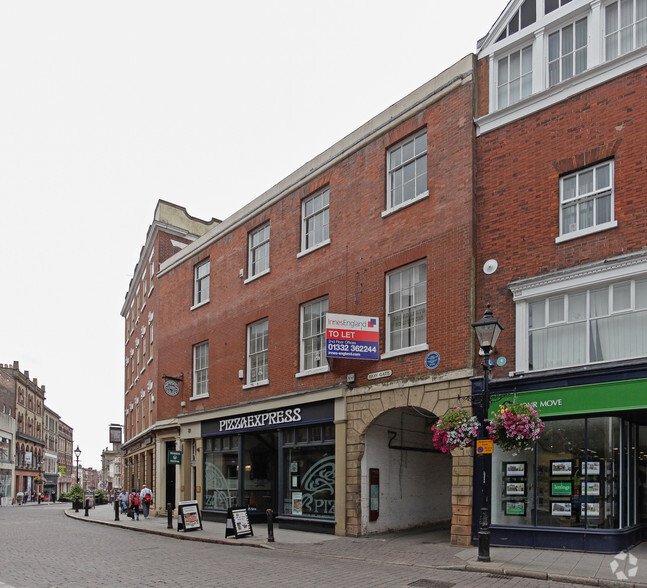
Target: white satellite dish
x=490, y=266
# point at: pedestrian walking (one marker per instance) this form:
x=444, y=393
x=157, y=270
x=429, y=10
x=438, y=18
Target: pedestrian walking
x=133, y=504
x=54, y=497
x=146, y=498
x=123, y=498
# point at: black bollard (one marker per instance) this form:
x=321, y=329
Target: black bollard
x=169, y=513
x=87, y=507
x=116, y=510
x=270, y=525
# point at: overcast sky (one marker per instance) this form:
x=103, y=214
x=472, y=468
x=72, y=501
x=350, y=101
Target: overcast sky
x=106, y=107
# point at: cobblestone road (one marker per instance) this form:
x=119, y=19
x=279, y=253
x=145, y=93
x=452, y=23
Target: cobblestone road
x=40, y=547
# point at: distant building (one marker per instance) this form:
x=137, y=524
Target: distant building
x=7, y=444
x=65, y=460
x=112, y=472
x=29, y=408
x=50, y=462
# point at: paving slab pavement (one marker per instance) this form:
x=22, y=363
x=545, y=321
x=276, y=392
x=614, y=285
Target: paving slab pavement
x=420, y=547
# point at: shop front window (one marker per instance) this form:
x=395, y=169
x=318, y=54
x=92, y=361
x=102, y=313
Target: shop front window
x=574, y=479
x=309, y=455
x=221, y=473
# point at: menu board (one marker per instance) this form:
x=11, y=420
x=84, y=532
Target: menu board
x=189, y=516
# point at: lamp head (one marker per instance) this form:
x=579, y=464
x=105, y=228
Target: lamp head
x=487, y=330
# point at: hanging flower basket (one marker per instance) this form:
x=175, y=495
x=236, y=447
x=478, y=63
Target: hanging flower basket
x=456, y=428
x=515, y=426
x=38, y=480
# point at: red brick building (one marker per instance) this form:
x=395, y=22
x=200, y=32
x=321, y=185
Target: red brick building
x=525, y=161
x=171, y=230
x=560, y=202
x=378, y=227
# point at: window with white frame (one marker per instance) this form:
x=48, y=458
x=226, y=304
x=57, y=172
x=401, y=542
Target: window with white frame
x=625, y=27
x=550, y=5
x=567, y=52
x=259, y=251
x=150, y=339
x=313, y=335
x=201, y=369
x=257, y=346
x=315, y=223
x=407, y=170
x=406, y=308
x=152, y=272
x=605, y=323
x=586, y=200
x=201, y=283
x=514, y=77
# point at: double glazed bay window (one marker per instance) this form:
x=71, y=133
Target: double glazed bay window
x=514, y=77
x=567, y=52
x=625, y=27
x=600, y=324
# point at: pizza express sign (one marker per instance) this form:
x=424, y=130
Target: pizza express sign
x=270, y=419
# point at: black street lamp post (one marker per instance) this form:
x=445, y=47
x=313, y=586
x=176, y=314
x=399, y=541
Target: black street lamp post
x=77, y=452
x=487, y=332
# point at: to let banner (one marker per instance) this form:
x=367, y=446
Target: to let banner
x=352, y=337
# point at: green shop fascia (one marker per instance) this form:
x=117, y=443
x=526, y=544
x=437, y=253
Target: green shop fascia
x=584, y=485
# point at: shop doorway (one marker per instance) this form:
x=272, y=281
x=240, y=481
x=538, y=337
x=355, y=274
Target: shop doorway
x=414, y=480
x=259, y=471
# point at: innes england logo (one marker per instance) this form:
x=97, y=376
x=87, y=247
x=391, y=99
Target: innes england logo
x=624, y=566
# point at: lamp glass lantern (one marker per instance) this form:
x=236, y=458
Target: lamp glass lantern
x=487, y=330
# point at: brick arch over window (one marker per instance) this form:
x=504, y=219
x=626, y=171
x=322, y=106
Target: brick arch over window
x=365, y=404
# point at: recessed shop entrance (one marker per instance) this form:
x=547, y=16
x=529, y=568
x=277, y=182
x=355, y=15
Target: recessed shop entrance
x=404, y=478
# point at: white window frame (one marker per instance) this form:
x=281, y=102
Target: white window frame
x=257, y=353
x=201, y=370
x=201, y=283
x=391, y=311
x=593, y=196
x=525, y=56
x=588, y=277
x=258, y=252
x=315, y=217
x=321, y=306
x=629, y=32
x=569, y=61
x=152, y=273
x=399, y=158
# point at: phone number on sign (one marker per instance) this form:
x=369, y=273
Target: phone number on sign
x=352, y=347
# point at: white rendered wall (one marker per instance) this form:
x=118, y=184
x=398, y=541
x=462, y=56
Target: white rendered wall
x=415, y=486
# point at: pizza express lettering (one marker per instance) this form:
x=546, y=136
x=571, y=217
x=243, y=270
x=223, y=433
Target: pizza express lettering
x=277, y=417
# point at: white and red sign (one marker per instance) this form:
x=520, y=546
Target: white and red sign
x=352, y=337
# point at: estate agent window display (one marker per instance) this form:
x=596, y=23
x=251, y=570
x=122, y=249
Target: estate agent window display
x=587, y=473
